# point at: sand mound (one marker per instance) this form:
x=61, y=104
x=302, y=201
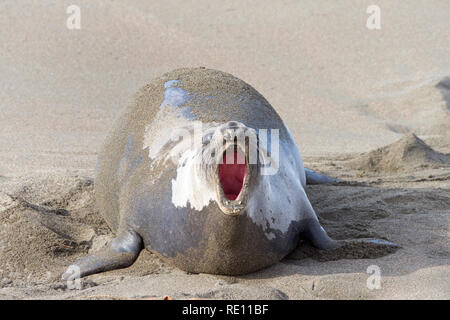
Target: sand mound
x=408, y=153
x=44, y=226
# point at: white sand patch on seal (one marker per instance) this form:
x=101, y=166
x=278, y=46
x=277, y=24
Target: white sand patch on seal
x=279, y=215
x=190, y=187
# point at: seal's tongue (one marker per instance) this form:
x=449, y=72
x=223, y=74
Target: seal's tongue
x=232, y=173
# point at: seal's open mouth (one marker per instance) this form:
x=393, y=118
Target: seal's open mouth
x=232, y=173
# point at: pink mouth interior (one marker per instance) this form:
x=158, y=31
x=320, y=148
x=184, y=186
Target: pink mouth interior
x=232, y=175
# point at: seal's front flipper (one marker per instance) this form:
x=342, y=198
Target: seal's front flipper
x=313, y=177
x=121, y=253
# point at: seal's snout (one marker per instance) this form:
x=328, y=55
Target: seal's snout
x=234, y=124
x=232, y=130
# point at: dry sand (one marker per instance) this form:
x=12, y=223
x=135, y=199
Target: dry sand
x=368, y=107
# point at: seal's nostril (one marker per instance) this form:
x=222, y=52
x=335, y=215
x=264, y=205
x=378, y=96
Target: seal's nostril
x=229, y=134
x=232, y=124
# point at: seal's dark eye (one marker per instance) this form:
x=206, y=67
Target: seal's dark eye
x=207, y=138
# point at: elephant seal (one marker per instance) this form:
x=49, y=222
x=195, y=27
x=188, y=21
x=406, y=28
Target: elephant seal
x=202, y=171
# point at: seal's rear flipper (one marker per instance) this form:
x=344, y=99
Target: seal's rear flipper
x=313, y=177
x=122, y=252
x=362, y=248
x=319, y=237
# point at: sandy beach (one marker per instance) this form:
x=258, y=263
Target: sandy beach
x=368, y=107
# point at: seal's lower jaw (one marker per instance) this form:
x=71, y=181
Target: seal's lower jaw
x=232, y=180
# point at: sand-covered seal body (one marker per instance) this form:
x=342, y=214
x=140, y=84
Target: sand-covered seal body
x=202, y=171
